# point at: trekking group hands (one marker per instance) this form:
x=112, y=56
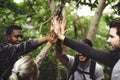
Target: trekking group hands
x=58, y=27
x=79, y=66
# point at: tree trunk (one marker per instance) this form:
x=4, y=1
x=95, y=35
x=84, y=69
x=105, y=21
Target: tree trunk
x=94, y=24
x=52, y=5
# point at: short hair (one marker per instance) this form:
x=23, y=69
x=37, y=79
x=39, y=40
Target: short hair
x=11, y=28
x=25, y=69
x=88, y=42
x=116, y=23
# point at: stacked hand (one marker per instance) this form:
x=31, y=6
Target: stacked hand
x=58, y=26
x=52, y=37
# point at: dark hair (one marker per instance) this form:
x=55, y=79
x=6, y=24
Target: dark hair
x=116, y=23
x=88, y=42
x=11, y=28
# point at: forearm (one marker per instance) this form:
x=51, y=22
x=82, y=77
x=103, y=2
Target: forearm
x=59, y=53
x=18, y=49
x=43, y=53
x=42, y=40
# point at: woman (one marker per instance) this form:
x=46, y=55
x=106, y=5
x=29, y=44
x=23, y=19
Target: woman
x=25, y=69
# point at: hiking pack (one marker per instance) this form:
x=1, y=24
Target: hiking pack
x=75, y=68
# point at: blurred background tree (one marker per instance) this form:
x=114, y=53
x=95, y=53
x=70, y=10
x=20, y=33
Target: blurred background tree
x=35, y=16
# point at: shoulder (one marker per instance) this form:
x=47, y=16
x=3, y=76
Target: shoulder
x=71, y=61
x=99, y=73
x=99, y=69
x=69, y=56
x=98, y=66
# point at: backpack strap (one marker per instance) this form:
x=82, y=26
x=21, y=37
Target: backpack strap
x=92, y=69
x=73, y=69
x=83, y=72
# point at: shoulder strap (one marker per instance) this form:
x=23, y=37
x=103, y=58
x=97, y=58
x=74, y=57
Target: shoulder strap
x=92, y=69
x=73, y=69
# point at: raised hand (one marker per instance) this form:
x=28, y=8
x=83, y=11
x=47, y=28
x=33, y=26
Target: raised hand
x=62, y=26
x=55, y=25
x=58, y=26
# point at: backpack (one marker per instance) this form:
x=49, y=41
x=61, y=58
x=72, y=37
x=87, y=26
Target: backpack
x=74, y=68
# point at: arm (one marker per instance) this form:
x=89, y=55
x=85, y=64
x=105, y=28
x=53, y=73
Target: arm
x=19, y=49
x=56, y=23
x=43, y=53
x=59, y=53
x=107, y=58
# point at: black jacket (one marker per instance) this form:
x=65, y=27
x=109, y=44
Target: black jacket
x=107, y=58
x=10, y=53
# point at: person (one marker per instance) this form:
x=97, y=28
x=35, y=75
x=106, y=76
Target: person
x=79, y=67
x=25, y=68
x=110, y=58
x=12, y=50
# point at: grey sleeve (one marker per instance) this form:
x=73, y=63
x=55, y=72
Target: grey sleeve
x=116, y=71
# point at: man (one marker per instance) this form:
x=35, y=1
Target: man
x=80, y=67
x=11, y=51
x=111, y=58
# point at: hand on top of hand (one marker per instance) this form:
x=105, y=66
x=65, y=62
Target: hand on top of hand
x=58, y=26
x=52, y=37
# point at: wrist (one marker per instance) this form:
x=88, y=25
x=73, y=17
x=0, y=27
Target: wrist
x=42, y=40
x=61, y=37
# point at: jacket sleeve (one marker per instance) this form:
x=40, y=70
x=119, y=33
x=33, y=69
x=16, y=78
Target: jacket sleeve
x=107, y=58
x=18, y=49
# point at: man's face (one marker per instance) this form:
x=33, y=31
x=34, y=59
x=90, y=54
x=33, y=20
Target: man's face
x=113, y=40
x=15, y=37
x=82, y=58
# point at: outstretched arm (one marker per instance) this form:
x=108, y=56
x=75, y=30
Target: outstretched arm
x=43, y=53
x=59, y=53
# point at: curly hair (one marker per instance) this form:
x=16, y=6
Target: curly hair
x=11, y=28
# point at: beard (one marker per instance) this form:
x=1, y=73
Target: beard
x=114, y=48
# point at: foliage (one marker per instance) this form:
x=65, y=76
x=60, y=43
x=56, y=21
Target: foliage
x=31, y=14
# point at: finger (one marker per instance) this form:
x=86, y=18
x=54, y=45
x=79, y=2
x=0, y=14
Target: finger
x=65, y=32
x=57, y=17
x=51, y=27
